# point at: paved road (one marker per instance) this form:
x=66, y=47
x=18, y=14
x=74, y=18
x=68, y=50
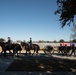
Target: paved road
x=6, y=61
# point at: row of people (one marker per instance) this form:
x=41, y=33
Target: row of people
x=9, y=42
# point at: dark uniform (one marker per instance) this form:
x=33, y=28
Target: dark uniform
x=73, y=49
x=9, y=42
x=30, y=42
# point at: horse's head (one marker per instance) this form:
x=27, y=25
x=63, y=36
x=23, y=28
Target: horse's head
x=25, y=45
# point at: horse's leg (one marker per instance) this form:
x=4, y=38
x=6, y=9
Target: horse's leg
x=58, y=51
x=74, y=52
x=67, y=53
x=10, y=51
x=53, y=51
x=29, y=51
x=4, y=53
x=33, y=52
x=37, y=52
x=2, y=50
x=17, y=52
x=26, y=52
x=44, y=51
x=13, y=53
x=71, y=53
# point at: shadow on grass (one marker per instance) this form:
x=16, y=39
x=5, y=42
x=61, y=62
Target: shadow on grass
x=43, y=65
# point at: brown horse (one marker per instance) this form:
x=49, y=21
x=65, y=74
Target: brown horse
x=27, y=47
x=14, y=47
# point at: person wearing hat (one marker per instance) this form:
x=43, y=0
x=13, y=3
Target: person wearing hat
x=30, y=42
x=9, y=42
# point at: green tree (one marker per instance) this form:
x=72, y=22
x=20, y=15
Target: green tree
x=1, y=39
x=54, y=41
x=61, y=40
x=67, y=11
x=74, y=40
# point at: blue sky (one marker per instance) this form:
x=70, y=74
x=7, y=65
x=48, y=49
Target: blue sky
x=22, y=19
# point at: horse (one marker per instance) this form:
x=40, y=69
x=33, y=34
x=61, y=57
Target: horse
x=27, y=47
x=66, y=49
x=73, y=47
x=14, y=47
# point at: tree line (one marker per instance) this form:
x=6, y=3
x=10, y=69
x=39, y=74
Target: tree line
x=43, y=41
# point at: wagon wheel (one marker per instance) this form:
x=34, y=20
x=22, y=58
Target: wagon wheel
x=48, y=50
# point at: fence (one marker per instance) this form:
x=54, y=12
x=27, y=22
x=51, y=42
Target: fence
x=43, y=45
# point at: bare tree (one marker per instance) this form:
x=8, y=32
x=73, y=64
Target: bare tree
x=73, y=36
